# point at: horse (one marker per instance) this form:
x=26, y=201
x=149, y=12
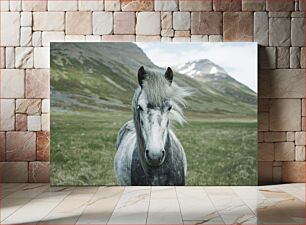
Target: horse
x=148, y=152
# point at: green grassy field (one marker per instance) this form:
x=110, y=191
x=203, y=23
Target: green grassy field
x=218, y=151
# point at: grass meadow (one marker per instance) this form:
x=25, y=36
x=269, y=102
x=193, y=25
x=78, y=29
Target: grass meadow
x=219, y=151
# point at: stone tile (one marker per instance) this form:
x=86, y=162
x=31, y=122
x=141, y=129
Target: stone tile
x=303, y=107
x=45, y=122
x=281, y=83
x=55, y=5
x=227, y=5
x=290, y=136
x=285, y=115
x=203, y=5
x=295, y=57
x=284, y=151
x=7, y=114
x=181, y=39
x=37, y=83
x=303, y=58
x=45, y=106
x=267, y=57
x=75, y=38
x=283, y=5
x=260, y=137
x=14, y=172
x=25, y=36
x=263, y=121
x=181, y=20
x=301, y=5
x=277, y=174
x=298, y=14
x=2, y=57
x=12, y=83
x=215, y=38
x=41, y=57
x=182, y=33
x=253, y=5
x=124, y=22
x=5, y=5
x=10, y=29
x=169, y=5
x=199, y=38
x=112, y=5
x=43, y=146
x=293, y=172
x=26, y=19
x=263, y=105
x=283, y=57
x=48, y=21
x=28, y=106
x=34, y=5
x=279, y=14
x=264, y=173
x=279, y=32
x=10, y=57
x=52, y=36
x=15, y=5
x=143, y=38
x=167, y=33
x=275, y=136
x=238, y=26
x=265, y=152
x=2, y=146
x=118, y=38
x=300, y=153
x=137, y=5
x=166, y=20
x=34, y=123
x=39, y=172
x=20, y=146
x=37, y=39
x=93, y=38
x=297, y=32
x=166, y=39
x=143, y=28
x=300, y=138
x=102, y=23
x=91, y=5
x=206, y=23
x=23, y=57
x=78, y=23
x=261, y=28
x=21, y=122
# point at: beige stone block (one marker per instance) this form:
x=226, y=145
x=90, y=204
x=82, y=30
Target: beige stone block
x=45, y=122
x=283, y=5
x=21, y=122
x=206, y=23
x=265, y=173
x=277, y=174
x=265, y=152
x=261, y=28
x=228, y=5
x=300, y=138
x=279, y=14
x=25, y=36
x=56, y=5
x=166, y=39
x=14, y=172
x=260, y=137
x=290, y=136
x=169, y=5
x=43, y=146
x=303, y=58
x=37, y=39
x=2, y=57
x=267, y=57
x=75, y=38
x=279, y=32
x=182, y=33
x=102, y=23
x=275, y=136
x=199, y=38
x=10, y=28
x=137, y=5
x=285, y=115
x=263, y=121
x=303, y=107
x=91, y=5
x=181, y=21
x=37, y=83
x=34, y=5
x=300, y=153
x=10, y=57
x=295, y=57
x=215, y=38
x=281, y=83
x=4, y=5
x=2, y=146
x=297, y=32
x=7, y=114
x=28, y=106
x=23, y=57
x=142, y=38
x=253, y=5
x=52, y=36
x=34, y=123
x=41, y=57
x=166, y=20
x=283, y=57
x=48, y=21
x=39, y=172
x=302, y=5
x=12, y=83
x=181, y=39
x=15, y=5
x=203, y=5
x=167, y=33
x=263, y=105
x=293, y=172
x=112, y=5
x=78, y=23
x=45, y=105
x=143, y=28
x=93, y=38
x=26, y=19
x=284, y=151
x=118, y=38
x=124, y=22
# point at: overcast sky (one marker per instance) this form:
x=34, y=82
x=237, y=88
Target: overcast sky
x=238, y=59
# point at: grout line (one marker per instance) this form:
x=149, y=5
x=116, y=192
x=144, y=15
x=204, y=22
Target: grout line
x=149, y=205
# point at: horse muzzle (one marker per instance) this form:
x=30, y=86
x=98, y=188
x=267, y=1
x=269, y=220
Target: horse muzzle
x=155, y=158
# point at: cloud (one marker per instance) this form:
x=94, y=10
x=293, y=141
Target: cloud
x=238, y=59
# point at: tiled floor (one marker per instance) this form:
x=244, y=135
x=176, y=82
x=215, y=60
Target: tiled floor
x=40, y=204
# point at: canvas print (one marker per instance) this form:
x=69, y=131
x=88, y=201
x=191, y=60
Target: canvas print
x=153, y=114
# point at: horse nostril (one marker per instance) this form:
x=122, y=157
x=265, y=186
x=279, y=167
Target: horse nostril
x=147, y=153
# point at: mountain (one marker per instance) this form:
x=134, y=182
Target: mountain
x=218, y=79
x=103, y=77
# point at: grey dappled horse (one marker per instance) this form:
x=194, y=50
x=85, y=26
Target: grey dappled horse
x=148, y=152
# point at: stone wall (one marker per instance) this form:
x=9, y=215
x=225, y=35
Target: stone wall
x=27, y=27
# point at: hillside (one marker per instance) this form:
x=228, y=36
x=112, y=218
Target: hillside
x=102, y=77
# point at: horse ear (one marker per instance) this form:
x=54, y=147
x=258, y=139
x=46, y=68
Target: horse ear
x=141, y=75
x=169, y=75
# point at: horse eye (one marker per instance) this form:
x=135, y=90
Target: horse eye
x=139, y=108
x=170, y=107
